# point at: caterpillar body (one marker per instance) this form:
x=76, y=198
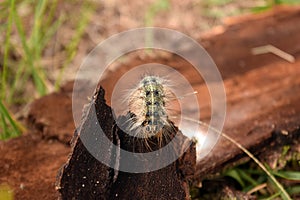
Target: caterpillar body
x=152, y=105
x=148, y=104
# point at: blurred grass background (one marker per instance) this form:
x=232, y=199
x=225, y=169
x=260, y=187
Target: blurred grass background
x=29, y=31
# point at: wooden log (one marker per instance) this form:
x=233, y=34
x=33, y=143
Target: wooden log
x=263, y=112
x=262, y=95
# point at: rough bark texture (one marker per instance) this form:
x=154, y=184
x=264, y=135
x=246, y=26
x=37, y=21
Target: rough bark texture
x=83, y=176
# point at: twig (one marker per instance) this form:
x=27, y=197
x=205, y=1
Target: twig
x=259, y=187
x=271, y=49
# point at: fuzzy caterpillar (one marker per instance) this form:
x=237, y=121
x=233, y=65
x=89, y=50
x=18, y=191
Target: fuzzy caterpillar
x=148, y=104
x=153, y=102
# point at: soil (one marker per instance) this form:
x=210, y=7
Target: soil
x=29, y=165
x=32, y=161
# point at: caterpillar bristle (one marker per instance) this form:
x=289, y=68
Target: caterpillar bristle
x=147, y=113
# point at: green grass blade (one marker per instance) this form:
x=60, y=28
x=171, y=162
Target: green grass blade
x=248, y=178
x=51, y=31
x=284, y=194
x=233, y=173
x=39, y=83
x=36, y=32
x=17, y=128
x=51, y=26
x=6, y=49
x=4, y=128
x=71, y=49
x=51, y=13
x=37, y=72
x=289, y=175
x=273, y=196
x=154, y=9
x=294, y=190
x=17, y=78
